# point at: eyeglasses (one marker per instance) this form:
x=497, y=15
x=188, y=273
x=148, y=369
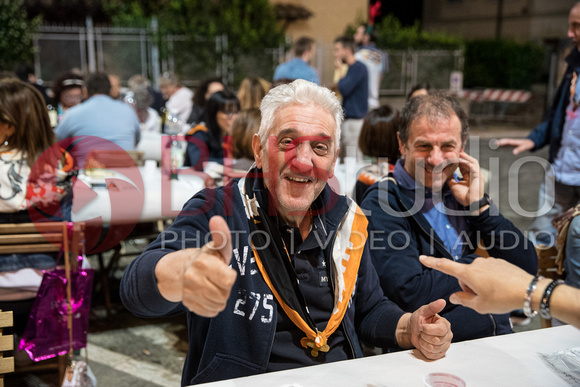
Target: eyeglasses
x=230, y=114
x=71, y=98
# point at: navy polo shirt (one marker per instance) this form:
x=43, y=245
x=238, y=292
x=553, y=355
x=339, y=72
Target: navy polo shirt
x=313, y=272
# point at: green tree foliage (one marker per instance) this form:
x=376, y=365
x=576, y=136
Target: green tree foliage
x=502, y=63
x=250, y=27
x=16, y=34
x=392, y=35
x=247, y=23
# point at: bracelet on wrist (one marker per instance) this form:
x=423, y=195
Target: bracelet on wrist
x=528, y=297
x=545, y=304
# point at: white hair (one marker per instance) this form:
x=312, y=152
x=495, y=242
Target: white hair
x=299, y=92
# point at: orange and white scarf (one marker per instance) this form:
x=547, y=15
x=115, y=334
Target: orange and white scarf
x=277, y=270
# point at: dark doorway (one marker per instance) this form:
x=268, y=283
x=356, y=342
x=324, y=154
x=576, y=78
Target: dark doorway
x=407, y=11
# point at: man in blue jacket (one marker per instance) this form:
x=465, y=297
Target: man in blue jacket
x=273, y=270
x=424, y=208
x=560, y=129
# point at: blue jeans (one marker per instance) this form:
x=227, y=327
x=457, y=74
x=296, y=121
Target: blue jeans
x=564, y=197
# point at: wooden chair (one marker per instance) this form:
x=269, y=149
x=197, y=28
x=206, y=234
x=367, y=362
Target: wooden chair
x=6, y=344
x=547, y=268
x=44, y=237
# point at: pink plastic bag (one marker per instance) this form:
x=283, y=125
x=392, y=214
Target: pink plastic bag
x=46, y=334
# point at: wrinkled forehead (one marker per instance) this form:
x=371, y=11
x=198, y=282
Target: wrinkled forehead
x=303, y=118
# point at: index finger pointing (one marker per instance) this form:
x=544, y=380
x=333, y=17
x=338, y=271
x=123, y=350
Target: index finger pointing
x=444, y=265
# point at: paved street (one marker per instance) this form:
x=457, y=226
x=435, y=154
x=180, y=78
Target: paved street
x=124, y=350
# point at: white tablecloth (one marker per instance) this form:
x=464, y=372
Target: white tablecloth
x=182, y=189
x=151, y=145
x=161, y=199
x=508, y=360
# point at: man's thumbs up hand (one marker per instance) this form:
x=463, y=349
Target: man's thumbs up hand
x=426, y=330
x=207, y=277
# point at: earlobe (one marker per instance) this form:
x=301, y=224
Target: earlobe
x=402, y=148
x=257, y=148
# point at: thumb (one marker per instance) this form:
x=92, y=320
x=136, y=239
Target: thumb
x=432, y=309
x=455, y=186
x=462, y=298
x=221, y=238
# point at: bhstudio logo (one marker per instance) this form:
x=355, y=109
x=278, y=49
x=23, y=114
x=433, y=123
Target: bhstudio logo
x=107, y=189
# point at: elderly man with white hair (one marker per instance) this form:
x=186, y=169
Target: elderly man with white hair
x=273, y=269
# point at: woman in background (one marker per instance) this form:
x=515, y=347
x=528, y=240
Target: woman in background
x=378, y=140
x=206, y=139
x=244, y=128
x=25, y=134
x=201, y=96
x=68, y=91
x=30, y=177
x=251, y=92
x=141, y=99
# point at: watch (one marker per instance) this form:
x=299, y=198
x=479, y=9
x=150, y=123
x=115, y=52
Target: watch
x=484, y=201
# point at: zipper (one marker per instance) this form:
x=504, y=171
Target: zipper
x=348, y=340
x=493, y=323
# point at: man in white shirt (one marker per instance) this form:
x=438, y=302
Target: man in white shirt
x=376, y=61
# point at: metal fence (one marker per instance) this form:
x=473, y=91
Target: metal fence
x=58, y=49
x=200, y=58
x=197, y=58
x=129, y=51
x=408, y=68
x=121, y=51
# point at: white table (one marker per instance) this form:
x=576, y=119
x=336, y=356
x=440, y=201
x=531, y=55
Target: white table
x=508, y=360
x=182, y=189
x=163, y=197
x=151, y=145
